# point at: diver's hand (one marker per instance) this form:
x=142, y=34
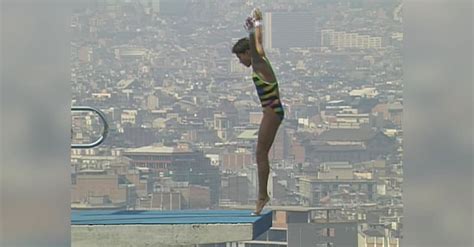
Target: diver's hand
x=249, y=25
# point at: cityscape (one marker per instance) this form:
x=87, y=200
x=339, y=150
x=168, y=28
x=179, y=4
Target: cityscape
x=184, y=114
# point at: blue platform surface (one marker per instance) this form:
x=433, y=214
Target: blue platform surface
x=260, y=223
x=111, y=217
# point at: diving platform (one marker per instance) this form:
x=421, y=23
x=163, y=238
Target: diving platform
x=165, y=228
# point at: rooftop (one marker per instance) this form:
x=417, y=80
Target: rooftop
x=158, y=149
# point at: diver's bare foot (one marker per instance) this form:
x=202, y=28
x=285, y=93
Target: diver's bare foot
x=260, y=204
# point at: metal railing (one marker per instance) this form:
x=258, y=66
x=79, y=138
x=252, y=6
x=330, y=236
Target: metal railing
x=105, y=130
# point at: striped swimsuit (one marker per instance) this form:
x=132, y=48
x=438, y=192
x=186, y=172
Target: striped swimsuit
x=268, y=93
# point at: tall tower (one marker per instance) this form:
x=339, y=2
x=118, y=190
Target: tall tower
x=267, y=31
x=155, y=5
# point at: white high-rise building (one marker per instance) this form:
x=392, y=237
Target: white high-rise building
x=267, y=31
x=332, y=38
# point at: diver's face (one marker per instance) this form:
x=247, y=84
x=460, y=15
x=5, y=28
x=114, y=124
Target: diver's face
x=244, y=58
